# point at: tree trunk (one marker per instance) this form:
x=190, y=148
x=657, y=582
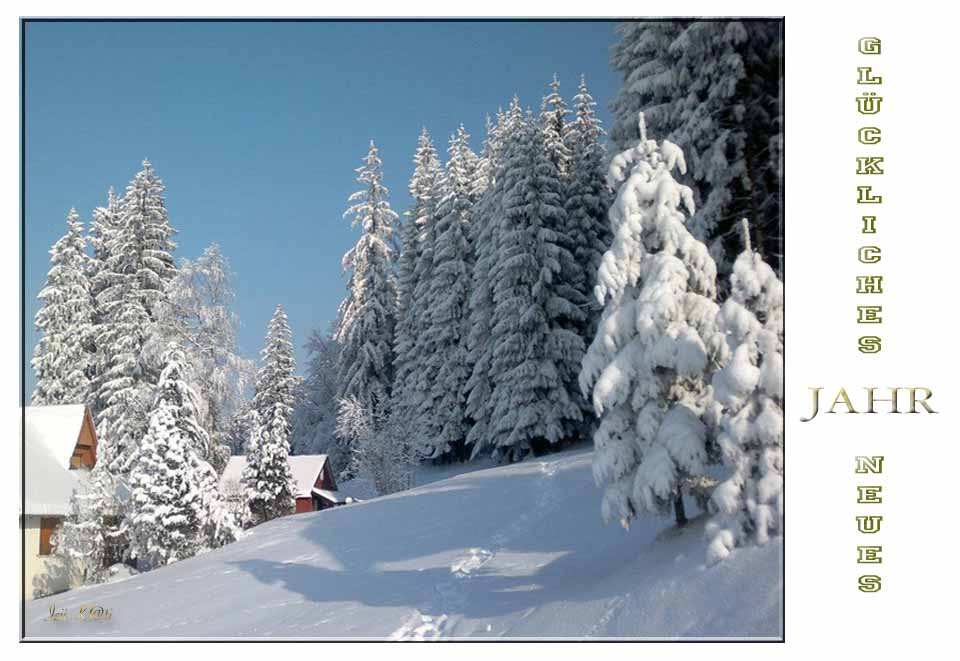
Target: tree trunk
x=678, y=511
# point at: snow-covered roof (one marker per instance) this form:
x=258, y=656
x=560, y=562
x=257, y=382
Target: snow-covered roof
x=51, y=434
x=305, y=468
x=332, y=496
x=55, y=428
x=48, y=486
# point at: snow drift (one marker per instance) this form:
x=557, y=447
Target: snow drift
x=516, y=551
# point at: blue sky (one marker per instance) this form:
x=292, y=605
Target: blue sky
x=256, y=129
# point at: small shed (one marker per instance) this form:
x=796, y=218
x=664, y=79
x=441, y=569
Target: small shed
x=316, y=488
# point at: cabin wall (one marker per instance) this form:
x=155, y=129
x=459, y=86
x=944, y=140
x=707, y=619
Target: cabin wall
x=325, y=479
x=331, y=484
x=43, y=573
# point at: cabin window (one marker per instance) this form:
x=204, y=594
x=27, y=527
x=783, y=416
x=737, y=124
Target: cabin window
x=48, y=524
x=82, y=457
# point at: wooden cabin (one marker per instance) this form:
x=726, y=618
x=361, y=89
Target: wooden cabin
x=59, y=447
x=316, y=488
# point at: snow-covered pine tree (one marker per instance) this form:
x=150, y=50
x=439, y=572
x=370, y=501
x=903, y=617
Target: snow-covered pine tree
x=417, y=236
x=266, y=478
x=644, y=58
x=445, y=369
x=367, y=317
x=710, y=124
x=131, y=283
x=570, y=280
x=648, y=369
x=553, y=119
x=404, y=338
x=276, y=387
x=714, y=87
x=125, y=391
x=103, y=224
x=483, y=236
x=172, y=491
x=588, y=199
x=484, y=171
x=61, y=358
x=749, y=388
x=535, y=354
x=166, y=508
x=175, y=391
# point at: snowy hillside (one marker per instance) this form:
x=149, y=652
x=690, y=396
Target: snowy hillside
x=515, y=551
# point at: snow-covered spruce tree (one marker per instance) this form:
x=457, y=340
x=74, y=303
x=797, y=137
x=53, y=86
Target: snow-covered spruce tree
x=648, y=369
x=267, y=480
x=61, y=358
x=645, y=58
x=367, y=317
x=168, y=508
x=535, y=354
x=485, y=161
x=570, y=281
x=103, y=224
x=166, y=511
x=553, y=119
x=131, y=284
x=749, y=388
x=177, y=393
x=276, y=387
x=483, y=236
x=198, y=315
x=417, y=237
x=714, y=87
x=588, y=199
x=445, y=368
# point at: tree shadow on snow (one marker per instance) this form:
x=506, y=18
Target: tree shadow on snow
x=544, y=518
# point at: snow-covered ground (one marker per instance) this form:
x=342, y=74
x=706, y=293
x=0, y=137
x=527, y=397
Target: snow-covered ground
x=515, y=551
